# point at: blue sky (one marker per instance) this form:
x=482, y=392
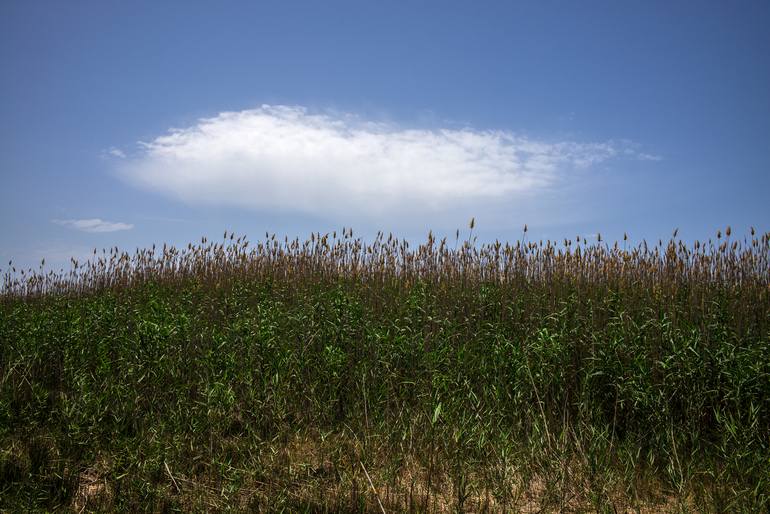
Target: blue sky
x=132, y=123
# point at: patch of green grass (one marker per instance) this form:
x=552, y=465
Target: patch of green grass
x=273, y=385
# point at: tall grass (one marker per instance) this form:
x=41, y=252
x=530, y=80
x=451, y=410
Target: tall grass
x=340, y=375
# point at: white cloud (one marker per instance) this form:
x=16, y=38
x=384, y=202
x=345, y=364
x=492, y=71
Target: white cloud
x=287, y=158
x=94, y=225
x=114, y=152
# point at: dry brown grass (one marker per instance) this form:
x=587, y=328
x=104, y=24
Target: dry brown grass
x=93, y=488
x=734, y=263
x=324, y=473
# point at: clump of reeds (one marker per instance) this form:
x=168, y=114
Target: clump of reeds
x=665, y=267
x=338, y=374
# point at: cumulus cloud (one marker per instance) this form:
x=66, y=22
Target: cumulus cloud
x=290, y=159
x=94, y=225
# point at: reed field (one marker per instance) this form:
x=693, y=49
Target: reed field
x=343, y=375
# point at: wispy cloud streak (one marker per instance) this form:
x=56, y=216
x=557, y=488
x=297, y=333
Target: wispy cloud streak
x=93, y=225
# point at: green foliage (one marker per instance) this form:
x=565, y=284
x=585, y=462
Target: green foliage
x=176, y=393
